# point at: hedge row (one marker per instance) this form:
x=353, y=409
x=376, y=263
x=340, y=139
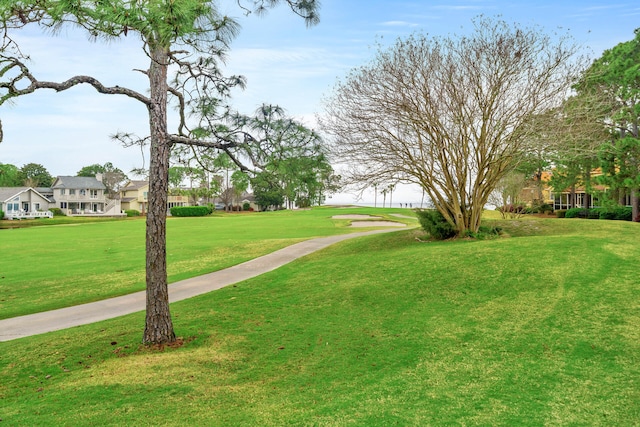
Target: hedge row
x=191, y=211
x=623, y=213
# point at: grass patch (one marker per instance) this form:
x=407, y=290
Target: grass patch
x=383, y=330
x=49, y=267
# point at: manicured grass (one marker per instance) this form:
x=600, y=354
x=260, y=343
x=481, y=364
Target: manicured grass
x=48, y=267
x=382, y=330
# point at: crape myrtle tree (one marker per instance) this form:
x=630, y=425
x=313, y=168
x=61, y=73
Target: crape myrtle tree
x=186, y=36
x=448, y=114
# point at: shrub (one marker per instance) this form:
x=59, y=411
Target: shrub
x=1, y=215
x=485, y=232
x=517, y=209
x=191, y=211
x=541, y=208
x=607, y=214
x=132, y=212
x=561, y=213
x=246, y=206
x=434, y=223
x=57, y=212
x=545, y=208
x=620, y=213
x=623, y=213
x=594, y=213
x=577, y=213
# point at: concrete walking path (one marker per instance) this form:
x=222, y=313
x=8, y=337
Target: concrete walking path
x=39, y=323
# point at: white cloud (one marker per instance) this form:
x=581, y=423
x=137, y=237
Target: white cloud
x=399, y=24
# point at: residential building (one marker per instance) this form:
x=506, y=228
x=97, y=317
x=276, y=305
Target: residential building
x=23, y=203
x=134, y=196
x=568, y=197
x=79, y=195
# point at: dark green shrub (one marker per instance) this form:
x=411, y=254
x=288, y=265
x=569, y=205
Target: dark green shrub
x=57, y=212
x=434, y=223
x=624, y=213
x=1, y=215
x=620, y=213
x=593, y=213
x=577, y=213
x=607, y=214
x=132, y=212
x=561, y=213
x=191, y=211
x=246, y=206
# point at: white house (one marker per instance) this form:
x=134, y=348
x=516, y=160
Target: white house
x=23, y=202
x=79, y=195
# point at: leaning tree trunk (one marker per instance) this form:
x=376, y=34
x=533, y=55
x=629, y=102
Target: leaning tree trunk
x=635, y=212
x=158, y=324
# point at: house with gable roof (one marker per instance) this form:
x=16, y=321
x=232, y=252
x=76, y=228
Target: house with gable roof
x=80, y=195
x=134, y=196
x=23, y=203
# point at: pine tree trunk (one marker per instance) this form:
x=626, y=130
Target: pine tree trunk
x=158, y=324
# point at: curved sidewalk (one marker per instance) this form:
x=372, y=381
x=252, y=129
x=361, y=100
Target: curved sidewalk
x=48, y=321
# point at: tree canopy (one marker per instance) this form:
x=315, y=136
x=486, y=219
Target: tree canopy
x=35, y=175
x=449, y=114
x=9, y=175
x=595, y=132
x=112, y=177
x=616, y=75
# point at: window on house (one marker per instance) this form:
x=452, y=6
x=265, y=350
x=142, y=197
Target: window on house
x=63, y=205
x=94, y=194
x=72, y=191
x=62, y=191
x=36, y=206
x=83, y=192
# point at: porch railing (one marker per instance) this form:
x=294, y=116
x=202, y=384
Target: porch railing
x=28, y=215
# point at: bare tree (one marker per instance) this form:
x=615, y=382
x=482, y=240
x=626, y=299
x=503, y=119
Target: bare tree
x=449, y=114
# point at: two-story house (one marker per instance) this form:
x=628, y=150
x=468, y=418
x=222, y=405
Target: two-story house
x=134, y=196
x=78, y=195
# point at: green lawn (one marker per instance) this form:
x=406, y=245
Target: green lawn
x=48, y=267
x=542, y=328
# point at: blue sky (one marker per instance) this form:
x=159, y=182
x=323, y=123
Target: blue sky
x=285, y=63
